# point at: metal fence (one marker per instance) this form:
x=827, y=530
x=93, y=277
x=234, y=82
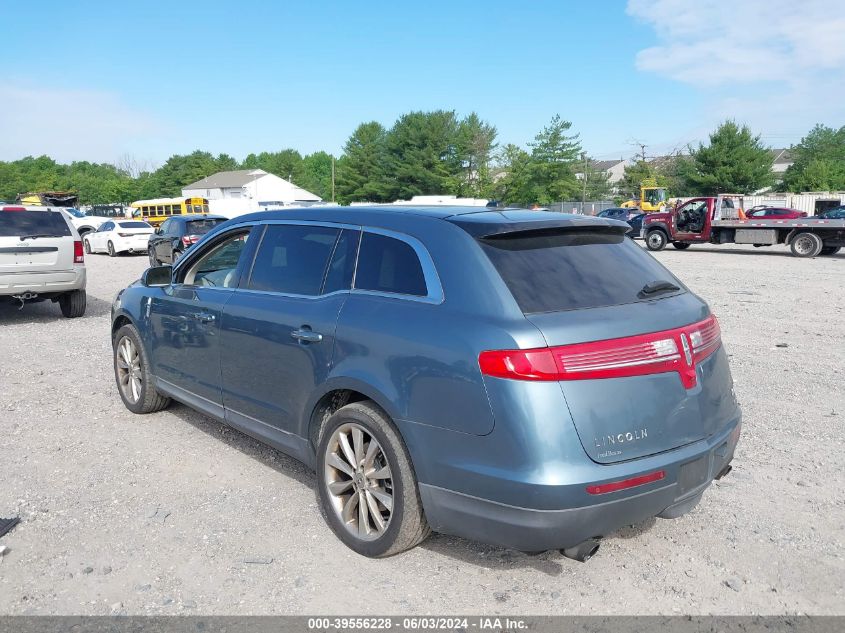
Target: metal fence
x=590, y=207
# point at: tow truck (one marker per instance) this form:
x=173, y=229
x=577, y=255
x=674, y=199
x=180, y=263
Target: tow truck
x=719, y=220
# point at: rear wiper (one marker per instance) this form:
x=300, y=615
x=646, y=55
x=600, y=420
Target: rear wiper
x=35, y=235
x=657, y=287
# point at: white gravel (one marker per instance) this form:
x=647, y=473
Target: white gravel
x=173, y=513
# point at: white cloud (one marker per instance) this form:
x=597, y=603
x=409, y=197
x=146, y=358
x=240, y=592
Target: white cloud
x=68, y=124
x=715, y=42
x=778, y=65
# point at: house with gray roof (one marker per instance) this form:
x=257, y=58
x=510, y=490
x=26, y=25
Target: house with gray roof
x=254, y=187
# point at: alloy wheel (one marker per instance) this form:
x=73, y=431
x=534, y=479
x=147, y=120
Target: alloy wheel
x=129, y=373
x=359, y=481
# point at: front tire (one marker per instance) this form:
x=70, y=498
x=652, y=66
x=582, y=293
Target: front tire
x=681, y=246
x=112, y=252
x=367, y=487
x=806, y=245
x=73, y=304
x=153, y=261
x=656, y=240
x=132, y=373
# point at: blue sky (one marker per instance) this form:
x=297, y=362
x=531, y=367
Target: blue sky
x=152, y=79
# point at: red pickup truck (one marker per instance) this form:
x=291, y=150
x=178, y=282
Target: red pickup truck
x=717, y=220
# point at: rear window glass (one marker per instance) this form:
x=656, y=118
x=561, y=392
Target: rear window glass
x=134, y=225
x=554, y=270
x=200, y=227
x=386, y=264
x=19, y=223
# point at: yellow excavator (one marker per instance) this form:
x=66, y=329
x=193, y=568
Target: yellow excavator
x=652, y=198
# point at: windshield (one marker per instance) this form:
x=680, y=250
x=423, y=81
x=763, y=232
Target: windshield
x=655, y=195
x=551, y=270
x=43, y=223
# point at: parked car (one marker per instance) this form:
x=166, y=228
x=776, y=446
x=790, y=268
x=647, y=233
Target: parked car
x=633, y=217
x=774, y=213
x=82, y=222
x=119, y=236
x=441, y=371
x=41, y=258
x=837, y=213
x=177, y=234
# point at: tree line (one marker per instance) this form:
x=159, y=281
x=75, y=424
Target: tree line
x=438, y=152
x=735, y=160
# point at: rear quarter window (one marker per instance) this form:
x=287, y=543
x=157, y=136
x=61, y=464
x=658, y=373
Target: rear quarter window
x=387, y=264
x=552, y=270
x=46, y=223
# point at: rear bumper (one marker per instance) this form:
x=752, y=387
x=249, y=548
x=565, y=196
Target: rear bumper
x=689, y=471
x=43, y=282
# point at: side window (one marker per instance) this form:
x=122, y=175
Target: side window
x=218, y=266
x=107, y=226
x=292, y=259
x=342, y=266
x=165, y=227
x=386, y=264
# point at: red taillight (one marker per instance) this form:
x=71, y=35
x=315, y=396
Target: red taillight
x=528, y=364
x=659, y=352
x=187, y=240
x=633, y=482
x=78, y=253
x=14, y=208
x=126, y=234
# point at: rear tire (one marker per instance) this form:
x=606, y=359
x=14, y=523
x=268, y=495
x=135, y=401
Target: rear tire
x=656, y=240
x=829, y=250
x=132, y=367
x=112, y=252
x=153, y=261
x=351, y=431
x=681, y=245
x=73, y=304
x=806, y=245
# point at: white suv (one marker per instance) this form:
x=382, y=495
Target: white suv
x=41, y=258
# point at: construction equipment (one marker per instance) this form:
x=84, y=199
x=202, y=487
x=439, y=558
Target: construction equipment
x=49, y=198
x=652, y=198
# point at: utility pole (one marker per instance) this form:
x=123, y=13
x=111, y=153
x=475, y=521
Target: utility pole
x=642, y=148
x=584, y=196
x=333, y=179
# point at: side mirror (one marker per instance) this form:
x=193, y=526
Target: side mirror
x=157, y=276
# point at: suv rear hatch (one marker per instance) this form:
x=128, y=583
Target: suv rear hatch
x=637, y=356
x=33, y=241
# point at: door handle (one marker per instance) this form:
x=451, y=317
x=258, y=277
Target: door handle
x=204, y=317
x=307, y=336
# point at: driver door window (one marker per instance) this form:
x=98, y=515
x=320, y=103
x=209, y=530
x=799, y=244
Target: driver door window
x=217, y=268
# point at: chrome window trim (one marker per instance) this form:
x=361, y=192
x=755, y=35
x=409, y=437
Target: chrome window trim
x=432, y=280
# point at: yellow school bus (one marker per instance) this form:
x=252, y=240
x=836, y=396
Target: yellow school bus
x=157, y=210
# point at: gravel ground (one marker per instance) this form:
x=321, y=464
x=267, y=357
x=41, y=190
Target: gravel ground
x=173, y=513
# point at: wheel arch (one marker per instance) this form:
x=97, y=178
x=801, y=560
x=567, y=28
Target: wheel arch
x=337, y=393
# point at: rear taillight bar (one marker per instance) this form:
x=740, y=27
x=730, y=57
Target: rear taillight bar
x=78, y=252
x=14, y=208
x=658, y=352
x=633, y=482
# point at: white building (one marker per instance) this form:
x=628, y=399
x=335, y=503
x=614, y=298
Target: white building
x=232, y=193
